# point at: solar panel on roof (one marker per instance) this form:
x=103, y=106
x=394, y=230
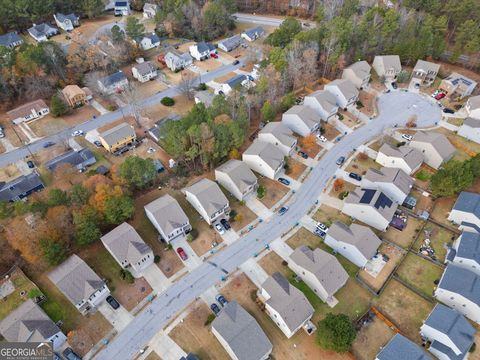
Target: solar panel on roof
x=367, y=196
x=383, y=201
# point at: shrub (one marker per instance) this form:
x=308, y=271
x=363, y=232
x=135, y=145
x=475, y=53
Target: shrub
x=53, y=251
x=322, y=129
x=202, y=87
x=35, y=292
x=261, y=191
x=284, y=263
x=127, y=276
x=238, y=217
x=253, y=295
x=336, y=332
x=359, y=104
x=343, y=195
x=209, y=320
x=472, y=348
x=401, y=143
x=340, y=117
x=232, y=215
x=242, y=202
x=156, y=259
x=167, y=101
x=423, y=175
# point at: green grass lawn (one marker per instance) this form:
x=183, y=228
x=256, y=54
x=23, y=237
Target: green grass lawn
x=423, y=175
x=23, y=288
x=312, y=298
x=439, y=240
x=349, y=267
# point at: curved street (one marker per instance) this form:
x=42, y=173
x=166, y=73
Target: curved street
x=394, y=108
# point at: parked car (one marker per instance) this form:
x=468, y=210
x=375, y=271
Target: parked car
x=221, y=299
x=440, y=96
x=213, y=55
x=77, y=133
x=407, y=137
x=435, y=93
x=48, y=144
x=30, y=164
x=321, y=138
x=236, y=62
x=320, y=233
x=321, y=226
x=394, y=85
x=56, y=356
x=340, y=160
x=113, y=302
x=355, y=176
x=215, y=308
x=417, y=86
x=182, y=254
x=70, y=354
x=283, y=210
x=283, y=181
x=225, y=224
x=448, y=111
x=303, y=154
x=97, y=143
x=219, y=228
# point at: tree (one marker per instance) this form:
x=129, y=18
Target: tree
x=167, y=101
x=86, y=225
x=309, y=142
x=282, y=36
x=6, y=209
x=137, y=172
x=119, y=209
x=268, y=113
x=336, y=332
x=93, y=8
x=287, y=101
x=338, y=184
x=57, y=197
x=118, y=35
x=187, y=85
x=454, y=177
x=53, y=251
x=134, y=29
x=261, y=191
x=58, y=107
x=79, y=195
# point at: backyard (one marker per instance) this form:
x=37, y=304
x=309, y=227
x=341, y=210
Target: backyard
x=371, y=338
x=422, y=177
x=465, y=148
x=441, y=207
x=406, y=237
x=439, y=239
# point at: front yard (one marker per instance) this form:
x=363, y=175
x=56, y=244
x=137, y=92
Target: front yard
x=330, y=132
x=295, y=168
x=328, y=215
x=361, y=163
x=275, y=191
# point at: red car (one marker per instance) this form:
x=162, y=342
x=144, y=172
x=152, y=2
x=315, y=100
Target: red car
x=440, y=96
x=213, y=55
x=182, y=254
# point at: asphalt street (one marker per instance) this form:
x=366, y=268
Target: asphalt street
x=256, y=19
x=394, y=110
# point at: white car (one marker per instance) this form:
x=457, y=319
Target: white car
x=435, y=93
x=321, y=138
x=407, y=137
x=219, y=228
x=77, y=133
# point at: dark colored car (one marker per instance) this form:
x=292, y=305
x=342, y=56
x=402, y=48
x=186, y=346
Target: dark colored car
x=340, y=160
x=97, y=143
x=303, y=154
x=112, y=302
x=225, y=224
x=394, y=85
x=30, y=164
x=320, y=233
x=70, y=354
x=221, y=299
x=355, y=176
x=236, y=62
x=283, y=181
x=448, y=111
x=283, y=210
x=56, y=356
x=215, y=308
x=48, y=144
x=182, y=253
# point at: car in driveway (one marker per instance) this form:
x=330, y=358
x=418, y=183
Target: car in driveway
x=182, y=253
x=340, y=160
x=30, y=164
x=225, y=224
x=321, y=138
x=284, y=181
x=283, y=210
x=97, y=143
x=221, y=299
x=355, y=176
x=320, y=233
x=440, y=96
x=448, y=111
x=77, y=133
x=435, y=93
x=321, y=226
x=213, y=55
x=236, y=62
x=215, y=308
x=112, y=302
x=407, y=137
x=394, y=85
x=219, y=228
x=70, y=354
x=48, y=144
x=303, y=154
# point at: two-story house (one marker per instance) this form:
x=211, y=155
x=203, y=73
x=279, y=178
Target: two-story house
x=148, y=41
x=301, y=119
x=434, y=146
x=466, y=211
x=344, y=91
x=323, y=102
x=404, y=157
x=425, y=72
x=279, y=135
x=393, y=182
x=387, y=66
x=176, y=61
x=472, y=107
x=144, y=71
x=465, y=251
x=118, y=137
x=110, y=84
x=66, y=22
x=237, y=178
x=264, y=158
x=470, y=129
x=75, y=96
x=201, y=51
x=398, y=348
x=358, y=73
x=458, y=85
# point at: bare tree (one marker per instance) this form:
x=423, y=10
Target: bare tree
x=131, y=96
x=187, y=84
x=302, y=63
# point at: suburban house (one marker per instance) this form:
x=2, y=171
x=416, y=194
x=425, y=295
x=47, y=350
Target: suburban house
x=190, y=356
x=30, y=111
x=79, y=283
x=75, y=96
x=201, y=51
x=264, y=158
x=301, y=119
x=253, y=34
x=320, y=270
x=205, y=97
x=465, y=251
x=398, y=348
x=358, y=73
x=42, y=32
x=11, y=40
x=285, y=304
x=458, y=85
x=473, y=107
x=121, y=8
x=393, y=182
x=156, y=131
x=323, y=102
x=237, y=178
x=466, y=211
x=276, y=133
x=150, y=10
x=176, y=61
x=79, y=160
x=208, y=199
x=128, y=249
x=450, y=335
x=403, y=157
x=459, y=288
x=66, y=22
x=29, y=323
x=144, y=71
x=168, y=218
x=110, y=84
x=425, y=72
x=118, y=137
x=470, y=129
x=370, y=206
x=435, y=147
x=387, y=66
x=234, y=83
x=240, y=334
x=344, y=91
x=148, y=41
x=20, y=187
x=355, y=242
x=230, y=43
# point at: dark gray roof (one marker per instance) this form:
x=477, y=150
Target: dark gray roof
x=9, y=39
x=153, y=37
x=145, y=67
x=190, y=356
x=373, y=198
x=454, y=325
x=446, y=350
x=395, y=176
x=236, y=80
x=254, y=32
x=473, y=123
x=20, y=187
x=72, y=17
x=81, y=158
x=468, y=202
x=42, y=29
x=203, y=46
x=362, y=237
x=400, y=348
x=469, y=246
x=439, y=142
x=113, y=79
x=231, y=42
x=461, y=281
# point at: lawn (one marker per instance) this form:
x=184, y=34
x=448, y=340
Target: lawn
x=439, y=238
x=275, y=191
x=371, y=338
x=465, y=148
x=295, y=168
x=406, y=237
x=346, y=187
x=244, y=215
x=330, y=132
x=455, y=121
x=328, y=215
x=349, y=267
x=422, y=176
x=384, y=139
x=360, y=165
x=272, y=263
x=441, y=207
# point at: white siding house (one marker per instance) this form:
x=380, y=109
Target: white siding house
x=404, y=157
x=470, y=129
x=358, y=73
x=237, y=178
x=473, y=107
x=388, y=66
x=466, y=211
x=465, y=251
x=395, y=183
x=435, y=147
x=279, y=135
x=301, y=119
x=264, y=158
x=344, y=91
x=145, y=71
x=323, y=102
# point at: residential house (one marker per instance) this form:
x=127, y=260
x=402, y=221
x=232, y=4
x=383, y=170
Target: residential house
x=144, y=71
x=465, y=251
x=75, y=96
x=208, y=199
x=458, y=85
x=358, y=73
x=285, y=304
x=403, y=157
x=387, y=66
x=240, y=335
x=459, y=288
x=176, y=61
x=42, y=32
x=118, y=137
x=400, y=348
x=148, y=41
x=320, y=270
x=79, y=160
x=466, y=211
x=264, y=158
x=301, y=119
x=425, y=72
x=370, y=206
x=473, y=107
x=30, y=111
x=20, y=187
x=11, y=40
x=128, y=249
x=344, y=91
x=190, y=356
x=201, y=51
x=66, y=22
x=237, y=178
x=80, y=285
x=435, y=147
x=150, y=10
x=355, y=242
x=205, y=97
x=156, y=131
x=168, y=218
x=276, y=133
x=393, y=182
x=29, y=323
x=253, y=34
x=450, y=335
x=110, y=84
x=235, y=82
x=323, y=102
x=121, y=8
x=470, y=129
x=230, y=43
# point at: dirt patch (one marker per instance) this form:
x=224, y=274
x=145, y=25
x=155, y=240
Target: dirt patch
x=328, y=215
x=312, y=150
x=296, y=168
x=9, y=172
x=203, y=243
x=441, y=207
x=368, y=101
x=210, y=64
x=275, y=191
x=303, y=237
x=371, y=338
x=439, y=238
x=182, y=106
x=349, y=119
x=361, y=163
x=422, y=176
x=272, y=263
x=346, y=187
x=244, y=215
x=330, y=131
x=424, y=203
x=92, y=329
x=225, y=77
x=150, y=88
x=406, y=237
x=383, y=140
x=153, y=356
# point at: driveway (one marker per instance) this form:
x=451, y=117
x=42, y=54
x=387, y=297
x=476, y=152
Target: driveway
x=193, y=260
x=119, y=318
x=254, y=272
x=257, y=207
x=282, y=249
x=156, y=278
x=230, y=236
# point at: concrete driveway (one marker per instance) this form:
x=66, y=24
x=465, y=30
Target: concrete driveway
x=119, y=318
x=254, y=272
x=281, y=248
x=193, y=260
x=257, y=207
x=230, y=236
x=156, y=278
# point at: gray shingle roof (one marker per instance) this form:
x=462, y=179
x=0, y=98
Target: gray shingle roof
x=400, y=348
x=398, y=177
x=468, y=202
x=412, y=157
x=209, y=195
x=203, y=46
x=254, y=32
x=361, y=69
x=83, y=158
x=280, y=131
x=231, y=42
x=461, y=281
x=469, y=246
x=474, y=102
x=145, y=68
x=375, y=199
x=113, y=79
x=42, y=30
x=168, y=213
x=439, y=141
x=267, y=152
x=473, y=123
x=242, y=332
x=325, y=99
x=236, y=80
x=362, y=237
x=117, y=133
x=390, y=62
x=239, y=173
x=306, y=114
x=426, y=66
x=10, y=38
x=346, y=87
x=20, y=187
x=72, y=17
x=205, y=97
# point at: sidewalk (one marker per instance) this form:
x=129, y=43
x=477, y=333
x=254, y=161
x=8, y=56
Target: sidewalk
x=281, y=248
x=257, y=207
x=99, y=107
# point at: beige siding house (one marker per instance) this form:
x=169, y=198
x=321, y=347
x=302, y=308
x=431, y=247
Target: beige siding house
x=301, y=119
x=404, y=157
x=278, y=134
x=237, y=178
x=434, y=146
x=264, y=158
x=324, y=103
x=388, y=66
x=358, y=73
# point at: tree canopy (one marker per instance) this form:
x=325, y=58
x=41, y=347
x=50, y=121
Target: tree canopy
x=336, y=332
